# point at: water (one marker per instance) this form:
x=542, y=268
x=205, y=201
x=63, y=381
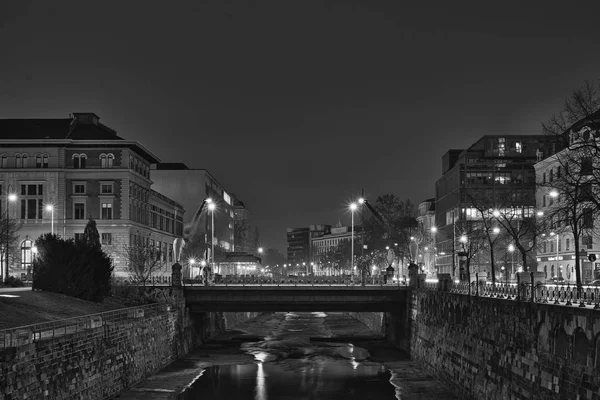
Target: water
x=298, y=358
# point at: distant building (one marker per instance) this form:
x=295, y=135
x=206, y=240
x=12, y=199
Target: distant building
x=496, y=167
x=427, y=247
x=338, y=239
x=299, y=251
x=245, y=231
x=240, y=263
x=66, y=170
x=190, y=187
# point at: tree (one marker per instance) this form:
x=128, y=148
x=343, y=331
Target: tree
x=143, y=260
x=365, y=263
x=90, y=234
x=240, y=232
x=575, y=187
x=472, y=241
x=13, y=237
x=389, y=221
x=73, y=268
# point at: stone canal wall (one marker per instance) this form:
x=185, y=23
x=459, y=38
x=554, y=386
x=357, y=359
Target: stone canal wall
x=104, y=358
x=492, y=348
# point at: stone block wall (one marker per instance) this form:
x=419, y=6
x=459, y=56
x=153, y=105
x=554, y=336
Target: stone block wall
x=373, y=320
x=489, y=348
x=106, y=358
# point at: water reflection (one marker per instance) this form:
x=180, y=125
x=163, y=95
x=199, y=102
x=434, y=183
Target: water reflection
x=288, y=365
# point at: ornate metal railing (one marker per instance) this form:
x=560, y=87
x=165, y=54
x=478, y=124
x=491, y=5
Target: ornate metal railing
x=250, y=280
x=22, y=335
x=566, y=295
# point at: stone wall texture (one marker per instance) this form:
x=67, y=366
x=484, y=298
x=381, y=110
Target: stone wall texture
x=107, y=358
x=490, y=348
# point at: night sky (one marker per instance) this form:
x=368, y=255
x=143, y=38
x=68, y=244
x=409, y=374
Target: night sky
x=295, y=106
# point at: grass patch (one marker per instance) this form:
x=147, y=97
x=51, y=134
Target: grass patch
x=32, y=307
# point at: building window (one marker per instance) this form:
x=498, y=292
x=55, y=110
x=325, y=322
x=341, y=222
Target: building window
x=79, y=161
x=41, y=161
x=79, y=210
x=4, y=161
x=18, y=161
x=106, y=188
x=107, y=239
x=107, y=211
x=567, y=244
x=32, y=203
x=26, y=254
x=107, y=160
x=79, y=188
x=78, y=237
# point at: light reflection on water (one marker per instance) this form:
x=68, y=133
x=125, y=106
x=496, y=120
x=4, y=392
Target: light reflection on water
x=289, y=366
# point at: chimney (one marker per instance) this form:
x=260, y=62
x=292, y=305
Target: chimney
x=88, y=118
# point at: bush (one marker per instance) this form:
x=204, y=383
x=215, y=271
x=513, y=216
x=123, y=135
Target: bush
x=11, y=281
x=72, y=268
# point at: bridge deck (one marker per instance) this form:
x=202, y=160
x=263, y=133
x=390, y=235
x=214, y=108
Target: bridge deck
x=295, y=298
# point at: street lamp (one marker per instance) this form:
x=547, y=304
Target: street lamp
x=211, y=207
x=557, y=264
x=511, y=249
x=11, y=198
x=50, y=208
x=554, y=193
x=191, y=261
x=260, y=250
x=353, y=207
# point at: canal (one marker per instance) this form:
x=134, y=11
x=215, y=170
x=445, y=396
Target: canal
x=293, y=356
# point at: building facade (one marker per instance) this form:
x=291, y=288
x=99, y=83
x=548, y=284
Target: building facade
x=496, y=172
x=190, y=187
x=58, y=173
x=566, y=181
x=338, y=240
x=246, y=234
x=428, y=230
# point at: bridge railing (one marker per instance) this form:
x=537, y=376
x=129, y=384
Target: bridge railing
x=254, y=280
x=567, y=295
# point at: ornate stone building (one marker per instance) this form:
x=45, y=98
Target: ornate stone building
x=58, y=173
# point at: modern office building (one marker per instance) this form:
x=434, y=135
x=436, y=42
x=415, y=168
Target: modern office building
x=190, y=187
x=497, y=170
x=246, y=235
x=299, y=250
x=58, y=173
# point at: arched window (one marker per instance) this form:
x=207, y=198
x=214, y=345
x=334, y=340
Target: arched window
x=4, y=161
x=38, y=161
x=18, y=161
x=24, y=160
x=110, y=160
x=26, y=254
x=79, y=160
x=552, y=271
x=546, y=271
x=103, y=160
x=45, y=160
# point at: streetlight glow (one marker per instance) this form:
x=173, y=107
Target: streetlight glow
x=208, y=200
x=511, y=248
x=12, y=197
x=496, y=213
x=353, y=206
x=463, y=239
x=260, y=250
x=433, y=229
x=496, y=230
x=50, y=209
x=212, y=206
x=361, y=200
x=553, y=193
x=540, y=213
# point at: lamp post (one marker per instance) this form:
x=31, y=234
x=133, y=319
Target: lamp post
x=511, y=249
x=10, y=198
x=353, y=207
x=211, y=208
x=50, y=208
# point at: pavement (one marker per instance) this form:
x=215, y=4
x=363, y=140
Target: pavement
x=15, y=289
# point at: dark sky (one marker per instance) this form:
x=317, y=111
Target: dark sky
x=295, y=106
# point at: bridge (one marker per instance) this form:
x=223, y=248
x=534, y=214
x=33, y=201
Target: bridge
x=238, y=298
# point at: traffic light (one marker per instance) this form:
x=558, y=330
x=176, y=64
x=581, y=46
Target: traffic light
x=592, y=257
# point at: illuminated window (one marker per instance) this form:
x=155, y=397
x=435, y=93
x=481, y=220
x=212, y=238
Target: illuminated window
x=518, y=147
x=26, y=254
x=107, y=211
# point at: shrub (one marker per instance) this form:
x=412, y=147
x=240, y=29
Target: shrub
x=72, y=268
x=11, y=281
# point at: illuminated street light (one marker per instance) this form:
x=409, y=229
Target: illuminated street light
x=212, y=207
x=496, y=230
x=496, y=213
x=540, y=213
x=361, y=200
x=260, y=250
x=12, y=197
x=433, y=229
x=511, y=249
x=50, y=208
x=463, y=239
x=353, y=207
x=554, y=193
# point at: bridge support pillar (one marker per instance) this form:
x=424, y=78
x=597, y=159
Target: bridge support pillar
x=444, y=282
x=176, y=275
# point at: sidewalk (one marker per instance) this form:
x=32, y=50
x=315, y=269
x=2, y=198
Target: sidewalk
x=14, y=289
